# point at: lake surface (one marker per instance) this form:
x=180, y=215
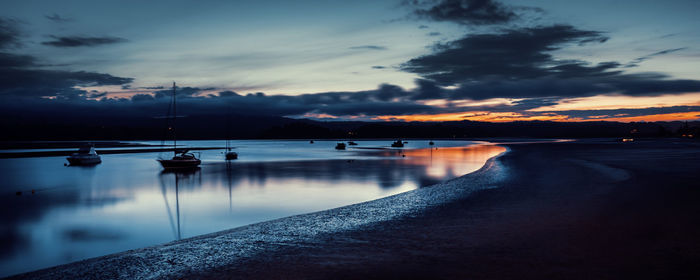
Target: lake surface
x=129, y=202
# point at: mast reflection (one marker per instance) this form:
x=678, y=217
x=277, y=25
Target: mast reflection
x=186, y=176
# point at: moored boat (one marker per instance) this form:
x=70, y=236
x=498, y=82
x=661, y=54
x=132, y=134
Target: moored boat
x=183, y=159
x=340, y=146
x=86, y=155
x=231, y=155
x=397, y=144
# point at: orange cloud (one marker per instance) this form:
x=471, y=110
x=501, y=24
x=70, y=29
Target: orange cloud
x=623, y=102
x=476, y=116
x=658, y=117
x=513, y=116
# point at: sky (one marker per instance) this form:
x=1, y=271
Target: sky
x=401, y=60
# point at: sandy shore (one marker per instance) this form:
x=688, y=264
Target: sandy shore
x=581, y=210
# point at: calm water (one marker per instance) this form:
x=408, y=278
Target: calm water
x=127, y=201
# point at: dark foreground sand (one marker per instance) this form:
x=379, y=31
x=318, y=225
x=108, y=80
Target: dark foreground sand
x=582, y=210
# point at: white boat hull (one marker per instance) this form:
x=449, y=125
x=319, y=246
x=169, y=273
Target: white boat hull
x=84, y=160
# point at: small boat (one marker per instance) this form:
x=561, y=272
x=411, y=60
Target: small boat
x=431, y=143
x=351, y=143
x=86, y=155
x=397, y=144
x=311, y=141
x=231, y=155
x=181, y=160
x=340, y=146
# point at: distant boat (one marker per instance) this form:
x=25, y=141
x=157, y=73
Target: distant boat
x=311, y=141
x=397, y=144
x=86, y=155
x=431, y=143
x=231, y=155
x=340, y=146
x=351, y=143
x=183, y=159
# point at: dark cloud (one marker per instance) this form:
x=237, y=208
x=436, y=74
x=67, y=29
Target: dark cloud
x=180, y=91
x=378, y=67
x=9, y=60
x=18, y=83
x=368, y=47
x=434, y=34
x=512, y=54
x=78, y=41
x=428, y=90
x=517, y=63
x=94, y=94
x=631, y=85
x=386, y=99
x=21, y=77
x=58, y=18
x=381, y=101
x=467, y=12
x=422, y=27
x=635, y=62
x=9, y=33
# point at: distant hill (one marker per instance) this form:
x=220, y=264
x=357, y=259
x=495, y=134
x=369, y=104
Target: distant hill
x=77, y=127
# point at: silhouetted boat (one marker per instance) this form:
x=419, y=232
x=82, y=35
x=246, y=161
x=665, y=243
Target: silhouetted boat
x=86, y=155
x=231, y=155
x=351, y=143
x=311, y=141
x=340, y=146
x=397, y=144
x=182, y=159
x=431, y=143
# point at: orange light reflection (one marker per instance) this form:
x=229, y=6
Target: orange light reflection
x=453, y=161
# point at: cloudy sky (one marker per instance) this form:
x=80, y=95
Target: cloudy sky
x=413, y=60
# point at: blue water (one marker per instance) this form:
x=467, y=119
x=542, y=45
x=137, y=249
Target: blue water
x=128, y=202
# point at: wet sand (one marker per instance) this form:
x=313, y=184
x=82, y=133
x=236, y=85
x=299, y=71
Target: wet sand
x=594, y=209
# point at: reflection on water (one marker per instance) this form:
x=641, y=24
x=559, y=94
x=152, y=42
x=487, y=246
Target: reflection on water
x=128, y=202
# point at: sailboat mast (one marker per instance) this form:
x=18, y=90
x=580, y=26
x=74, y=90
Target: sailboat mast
x=174, y=118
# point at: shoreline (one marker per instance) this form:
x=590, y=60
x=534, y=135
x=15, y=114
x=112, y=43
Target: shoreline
x=153, y=260
x=566, y=210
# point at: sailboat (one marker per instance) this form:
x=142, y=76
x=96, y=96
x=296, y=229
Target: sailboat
x=230, y=155
x=183, y=159
x=86, y=155
x=397, y=144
